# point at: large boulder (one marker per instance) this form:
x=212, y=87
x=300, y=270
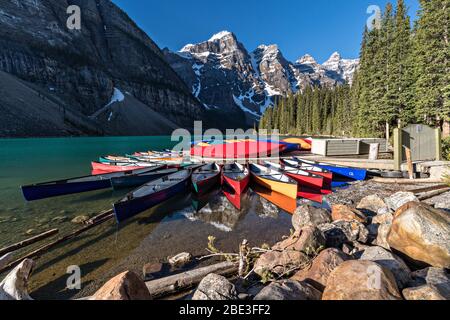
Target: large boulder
x=308, y=240
x=307, y=214
x=429, y=284
x=125, y=286
x=292, y=253
x=317, y=274
x=215, y=287
x=390, y=261
x=372, y=205
x=399, y=199
x=289, y=290
x=345, y=213
x=422, y=233
x=15, y=285
x=361, y=280
x=340, y=232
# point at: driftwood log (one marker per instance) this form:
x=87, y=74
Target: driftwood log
x=28, y=242
x=38, y=252
x=428, y=189
x=432, y=194
x=405, y=181
x=184, y=281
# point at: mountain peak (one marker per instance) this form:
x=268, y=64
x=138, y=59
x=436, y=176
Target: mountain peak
x=336, y=56
x=221, y=35
x=306, y=59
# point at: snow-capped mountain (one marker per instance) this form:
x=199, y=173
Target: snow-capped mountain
x=227, y=78
x=344, y=68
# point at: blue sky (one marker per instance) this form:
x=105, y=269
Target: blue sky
x=317, y=27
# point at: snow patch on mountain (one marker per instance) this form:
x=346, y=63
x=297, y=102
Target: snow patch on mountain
x=240, y=103
x=220, y=35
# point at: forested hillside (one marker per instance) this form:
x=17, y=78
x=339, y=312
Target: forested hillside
x=404, y=77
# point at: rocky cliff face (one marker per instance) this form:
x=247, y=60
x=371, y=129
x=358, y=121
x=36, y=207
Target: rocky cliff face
x=224, y=76
x=82, y=68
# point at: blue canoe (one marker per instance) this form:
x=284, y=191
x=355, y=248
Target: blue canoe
x=138, y=180
x=76, y=185
x=347, y=172
x=152, y=194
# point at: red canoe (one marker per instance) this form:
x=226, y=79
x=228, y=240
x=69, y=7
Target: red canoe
x=107, y=168
x=304, y=178
x=236, y=176
x=310, y=194
x=238, y=150
x=327, y=175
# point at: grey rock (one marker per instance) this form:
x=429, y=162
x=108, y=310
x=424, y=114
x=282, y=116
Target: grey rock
x=80, y=219
x=390, y=261
x=289, y=290
x=340, y=232
x=180, y=260
x=309, y=215
x=372, y=204
x=399, y=199
x=215, y=287
x=436, y=278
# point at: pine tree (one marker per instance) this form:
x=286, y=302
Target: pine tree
x=401, y=72
x=431, y=59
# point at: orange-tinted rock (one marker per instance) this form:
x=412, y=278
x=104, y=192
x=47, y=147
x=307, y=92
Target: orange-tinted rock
x=422, y=233
x=319, y=271
x=361, y=280
x=125, y=286
x=342, y=212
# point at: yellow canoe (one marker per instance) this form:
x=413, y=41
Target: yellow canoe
x=305, y=145
x=274, y=180
x=280, y=200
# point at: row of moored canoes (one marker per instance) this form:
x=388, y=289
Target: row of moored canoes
x=157, y=183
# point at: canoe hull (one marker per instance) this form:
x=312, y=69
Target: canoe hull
x=238, y=186
x=288, y=189
x=310, y=194
x=206, y=185
x=136, y=180
x=309, y=181
x=108, y=168
x=352, y=173
x=280, y=200
x=39, y=192
x=129, y=209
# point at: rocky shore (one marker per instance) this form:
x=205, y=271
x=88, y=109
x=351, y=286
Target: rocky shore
x=374, y=243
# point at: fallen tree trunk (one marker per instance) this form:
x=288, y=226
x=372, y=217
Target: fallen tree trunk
x=5, y=260
x=187, y=280
x=432, y=194
x=36, y=253
x=27, y=242
x=405, y=181
x=428, y=189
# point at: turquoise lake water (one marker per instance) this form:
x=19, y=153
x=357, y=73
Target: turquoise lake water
x=105, y=251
